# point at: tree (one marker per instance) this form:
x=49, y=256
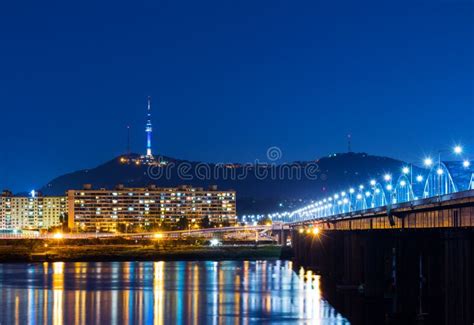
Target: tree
x=183, y=223
x=205, y=222
x=265, y=221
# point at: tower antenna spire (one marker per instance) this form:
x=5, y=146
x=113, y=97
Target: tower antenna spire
x=148, y=130
x=128, y=141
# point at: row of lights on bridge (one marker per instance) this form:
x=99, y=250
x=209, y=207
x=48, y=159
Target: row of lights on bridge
x=342, y=198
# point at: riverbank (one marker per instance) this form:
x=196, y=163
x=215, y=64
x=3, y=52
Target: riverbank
x=29, y=251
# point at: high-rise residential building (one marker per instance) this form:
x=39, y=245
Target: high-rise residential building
x=31, y=212
x=123, y=209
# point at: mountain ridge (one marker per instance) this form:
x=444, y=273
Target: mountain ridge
x=264, y=187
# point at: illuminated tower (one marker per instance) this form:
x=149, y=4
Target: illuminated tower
x=148, y=130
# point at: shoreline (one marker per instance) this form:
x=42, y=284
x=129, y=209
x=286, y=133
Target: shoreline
x=130, y=253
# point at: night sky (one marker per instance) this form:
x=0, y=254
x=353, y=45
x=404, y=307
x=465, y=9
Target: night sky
x=230, y=79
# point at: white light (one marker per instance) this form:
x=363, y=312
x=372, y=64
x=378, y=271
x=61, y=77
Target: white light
x=377, y=190
x=214, y=242
x=361, y=187
x=359, y=196
x=403, y=183
x=336, y=196
x=367, y=193
x=439, y=171
x=387, y=177
x=351, y=190
x=33, y=193
x=343, y=194
x=373, y=182
x=419, y=178
x=389, y=187
x=405, y=170
x=466, y=163
x=457, y=150
x=428, y=162
x=345, y=200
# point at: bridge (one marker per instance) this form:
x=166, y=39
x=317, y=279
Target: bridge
x=437, y=181
x=406, y=241
x=258, y=231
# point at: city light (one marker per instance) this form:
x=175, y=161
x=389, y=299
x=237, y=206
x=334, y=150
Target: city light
x=214, y=242
x=158, y=235
x=373, y=182
x=58, y=235
x=457, y=150
x=403, y=183
x=439, y=171
x=405, y=170
x=419, y=178
x=316, y=231
x=428, y=162
x=466, y=163
x=387, y=177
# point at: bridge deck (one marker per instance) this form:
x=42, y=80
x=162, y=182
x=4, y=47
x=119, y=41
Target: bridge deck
x=449, y=211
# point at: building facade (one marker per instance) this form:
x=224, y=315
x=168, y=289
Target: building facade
x=142, y=209
x=31, y=212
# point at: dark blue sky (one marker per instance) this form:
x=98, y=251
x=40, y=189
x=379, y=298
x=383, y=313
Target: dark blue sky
x=230, y=79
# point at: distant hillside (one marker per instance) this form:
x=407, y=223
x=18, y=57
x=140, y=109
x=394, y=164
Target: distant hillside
x=260, y=188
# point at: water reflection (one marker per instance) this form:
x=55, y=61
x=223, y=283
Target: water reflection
x=206, y=292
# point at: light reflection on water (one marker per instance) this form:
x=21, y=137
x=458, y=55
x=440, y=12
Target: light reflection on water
x=208, y=292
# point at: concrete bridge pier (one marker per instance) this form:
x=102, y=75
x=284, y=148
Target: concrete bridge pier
x=422, y=275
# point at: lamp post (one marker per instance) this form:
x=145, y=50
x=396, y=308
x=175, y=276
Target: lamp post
x=428, y=162
x=389, y=187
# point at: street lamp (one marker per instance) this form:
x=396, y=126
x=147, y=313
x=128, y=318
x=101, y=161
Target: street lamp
x=457, y=150
x=428, y=162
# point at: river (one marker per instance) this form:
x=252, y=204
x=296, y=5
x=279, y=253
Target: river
x=181, y=292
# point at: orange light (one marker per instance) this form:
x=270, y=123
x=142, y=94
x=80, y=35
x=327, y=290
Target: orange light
x=316, y=231
x=158, y=235
x=58, y=235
